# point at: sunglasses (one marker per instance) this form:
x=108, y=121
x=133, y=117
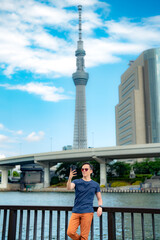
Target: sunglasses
x=84, y=169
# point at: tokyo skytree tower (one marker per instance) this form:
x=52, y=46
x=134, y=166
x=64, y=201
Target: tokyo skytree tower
x=80, y=78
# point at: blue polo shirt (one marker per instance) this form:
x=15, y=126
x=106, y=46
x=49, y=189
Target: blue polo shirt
x=84, y=195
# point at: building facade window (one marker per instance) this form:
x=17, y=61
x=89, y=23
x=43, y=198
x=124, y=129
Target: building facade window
x=125, y=125
x=125, y=120
x=126, y=137
x=126, y=131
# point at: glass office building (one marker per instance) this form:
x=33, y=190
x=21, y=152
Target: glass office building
x=138, y=110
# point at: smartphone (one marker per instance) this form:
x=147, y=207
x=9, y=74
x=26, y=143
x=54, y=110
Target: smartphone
x=73, y=167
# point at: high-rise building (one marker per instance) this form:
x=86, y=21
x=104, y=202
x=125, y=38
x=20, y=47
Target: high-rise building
x=138, y=111
x=80, y=78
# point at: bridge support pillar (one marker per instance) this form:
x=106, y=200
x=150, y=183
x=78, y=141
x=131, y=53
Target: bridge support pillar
x=46, y=175
x=103, y=170
x=103, y=174
x=4, y=177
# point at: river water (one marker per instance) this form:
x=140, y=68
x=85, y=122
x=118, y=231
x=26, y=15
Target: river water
x=148, y=200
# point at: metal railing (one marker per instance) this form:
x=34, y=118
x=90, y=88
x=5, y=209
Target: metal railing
x=44, y=222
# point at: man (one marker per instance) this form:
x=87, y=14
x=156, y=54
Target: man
x=82, y=212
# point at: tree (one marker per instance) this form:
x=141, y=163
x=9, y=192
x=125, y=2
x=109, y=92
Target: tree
x=154, y=166
x=63, y=170
x=120, y=168
x=142, y=167
x=147, y=166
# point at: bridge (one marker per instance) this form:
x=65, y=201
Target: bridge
x=101, y=155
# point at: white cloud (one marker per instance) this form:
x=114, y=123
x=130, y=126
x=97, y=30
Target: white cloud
x=33, y=36
x=1, y=126
x=2, y=156
x=88, y=3
x=146, y=31
x=20, y=132
x=35, y=137
x=47, y=93
x=13, y=132
x=3, y=138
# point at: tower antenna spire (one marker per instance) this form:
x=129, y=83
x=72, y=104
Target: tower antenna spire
x=80, y=21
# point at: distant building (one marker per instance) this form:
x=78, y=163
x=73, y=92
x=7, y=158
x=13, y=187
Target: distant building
x=32, y=176
x=138, y=110
x=68, y=147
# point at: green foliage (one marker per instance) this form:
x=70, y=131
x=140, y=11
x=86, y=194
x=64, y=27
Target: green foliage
x=136, y=183
x=54, y=180
x=144, y=175
x=96, y=171
x=119, y=184
x=64, y=169
x=147, y=167
x=119, y=168
x=141, y=178
x=16, y=174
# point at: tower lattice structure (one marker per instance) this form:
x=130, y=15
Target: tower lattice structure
x=80, y=78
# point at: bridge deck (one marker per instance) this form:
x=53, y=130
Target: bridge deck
x=106, y=153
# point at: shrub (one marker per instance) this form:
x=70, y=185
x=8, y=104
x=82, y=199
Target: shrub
x=59, y=185
x=102, y=186
x=16, y=174
x=54, y=180
x=136, y=183
x=143, y=175
x=119, y=184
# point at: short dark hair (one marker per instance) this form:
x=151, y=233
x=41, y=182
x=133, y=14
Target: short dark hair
x=91, y=166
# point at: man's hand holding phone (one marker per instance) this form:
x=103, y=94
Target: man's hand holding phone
x=73, y=172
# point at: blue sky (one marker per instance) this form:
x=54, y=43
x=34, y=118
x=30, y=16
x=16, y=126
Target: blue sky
x=37, y=47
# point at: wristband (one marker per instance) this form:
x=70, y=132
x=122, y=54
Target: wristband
x=100, y=206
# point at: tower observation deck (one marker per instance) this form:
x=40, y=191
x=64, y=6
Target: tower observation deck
x=80, y=78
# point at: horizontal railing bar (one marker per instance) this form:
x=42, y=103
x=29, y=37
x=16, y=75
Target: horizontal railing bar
x=131, y=210
x=41, y=208
x=64, y=208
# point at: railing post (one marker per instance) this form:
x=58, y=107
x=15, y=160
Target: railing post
x=101, y=227
x=92, y=229
x=66, y=225
x=58, y=225
x=12, y=225
x=42, y=224
x=20, y=224
x=4, y=225
x=111, y=226
x=50, y=225
x=35, y=225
